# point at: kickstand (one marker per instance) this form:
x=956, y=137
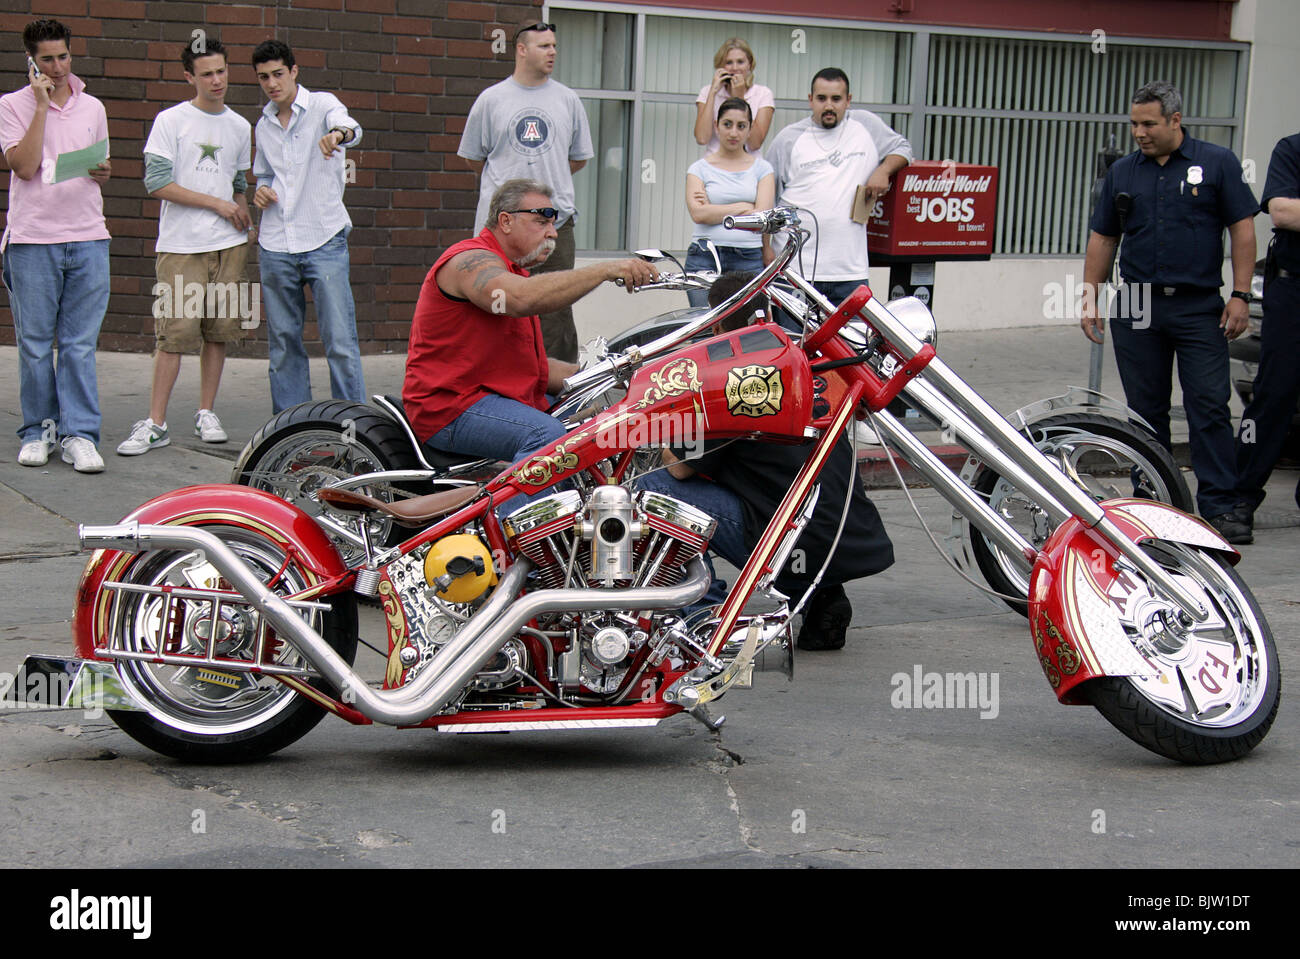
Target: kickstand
x=702, y=714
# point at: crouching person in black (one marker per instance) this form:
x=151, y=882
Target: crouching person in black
x=742, y=482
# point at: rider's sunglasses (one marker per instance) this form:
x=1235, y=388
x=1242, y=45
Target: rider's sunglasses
x=539, y=27
x=549, y=212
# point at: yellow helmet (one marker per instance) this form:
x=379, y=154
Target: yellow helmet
x=459, y=567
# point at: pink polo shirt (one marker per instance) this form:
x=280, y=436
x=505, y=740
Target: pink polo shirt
x=67, y=212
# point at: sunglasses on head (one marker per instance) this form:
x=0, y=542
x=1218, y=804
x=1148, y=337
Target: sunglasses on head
x=549, y=212
x=539, y=27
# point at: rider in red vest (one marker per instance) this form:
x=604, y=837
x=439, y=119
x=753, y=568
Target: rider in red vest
x=476, y=373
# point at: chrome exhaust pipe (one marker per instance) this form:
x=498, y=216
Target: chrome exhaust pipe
x=467, y=653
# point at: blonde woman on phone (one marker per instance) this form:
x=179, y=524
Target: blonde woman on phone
x=727, y=182
x=733, y=76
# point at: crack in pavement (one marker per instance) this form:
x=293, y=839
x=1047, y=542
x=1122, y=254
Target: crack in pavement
x=730, y=759
x=268, y=811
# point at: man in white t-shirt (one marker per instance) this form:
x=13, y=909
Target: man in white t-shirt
x=820, y=162
x=531, y=126
x=195, y=160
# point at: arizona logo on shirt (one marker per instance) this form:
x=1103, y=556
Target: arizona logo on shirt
x=532, y=133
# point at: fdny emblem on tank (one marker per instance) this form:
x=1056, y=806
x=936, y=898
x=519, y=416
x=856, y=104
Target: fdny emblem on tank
x=753, y=391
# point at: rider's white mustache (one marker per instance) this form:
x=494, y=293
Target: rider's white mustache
x=537, y=254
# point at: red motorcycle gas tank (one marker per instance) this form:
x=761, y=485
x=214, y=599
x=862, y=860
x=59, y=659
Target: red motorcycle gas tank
x=752, y=381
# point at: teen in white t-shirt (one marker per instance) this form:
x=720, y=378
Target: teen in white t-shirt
x=206, y=152
x=195, y=160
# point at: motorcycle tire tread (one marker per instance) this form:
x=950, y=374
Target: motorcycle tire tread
x=340, y=630
x=1125, y=708
x=1130, y=713
x=390, y=442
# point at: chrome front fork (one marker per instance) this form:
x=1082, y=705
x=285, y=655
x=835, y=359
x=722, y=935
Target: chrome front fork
x=977, y=425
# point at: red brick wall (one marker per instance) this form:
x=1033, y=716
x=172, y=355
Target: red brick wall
x=408, y=70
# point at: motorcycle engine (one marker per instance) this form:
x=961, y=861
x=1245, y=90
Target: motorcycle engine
x=613, y=540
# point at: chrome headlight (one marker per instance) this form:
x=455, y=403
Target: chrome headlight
x=916, y=316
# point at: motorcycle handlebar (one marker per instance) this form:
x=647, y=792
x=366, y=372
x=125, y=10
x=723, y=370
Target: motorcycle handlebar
x=763, y=221
x=620, y=363
x=677, y=281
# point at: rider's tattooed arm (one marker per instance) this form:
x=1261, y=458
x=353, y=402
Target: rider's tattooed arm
x=482, y=278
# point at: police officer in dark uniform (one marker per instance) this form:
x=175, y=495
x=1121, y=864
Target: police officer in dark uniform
x=1277, y=382
x=1176, y=194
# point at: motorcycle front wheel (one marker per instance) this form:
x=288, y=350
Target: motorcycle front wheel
x=1111, y=457
x=207, y=714
x=312, y=445
x=1220, y=682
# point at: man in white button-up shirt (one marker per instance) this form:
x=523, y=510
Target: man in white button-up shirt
x=304, y=230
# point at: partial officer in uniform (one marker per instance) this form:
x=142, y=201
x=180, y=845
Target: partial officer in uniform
x=1181, y=193
x=1265, y=423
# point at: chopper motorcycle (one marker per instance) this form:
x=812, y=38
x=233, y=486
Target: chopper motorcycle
x=219, y=623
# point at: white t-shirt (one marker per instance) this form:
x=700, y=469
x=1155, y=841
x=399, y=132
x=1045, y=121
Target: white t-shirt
x=206, y=150
x=819, y=170
x=757, y=96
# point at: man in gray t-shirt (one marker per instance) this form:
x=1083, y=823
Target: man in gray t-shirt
x=530, y=126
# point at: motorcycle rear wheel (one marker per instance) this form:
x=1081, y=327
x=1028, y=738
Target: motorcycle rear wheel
x=312, y=445
x=1107, y=454
x=207, y=715
x=1219, y=711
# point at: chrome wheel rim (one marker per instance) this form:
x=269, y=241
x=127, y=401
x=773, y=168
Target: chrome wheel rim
x=300, y=465
x=1104, y=467
x=1214, y=674
x=206, y=700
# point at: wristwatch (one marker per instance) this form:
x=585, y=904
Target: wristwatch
x=1244, y=295
x=347, y=134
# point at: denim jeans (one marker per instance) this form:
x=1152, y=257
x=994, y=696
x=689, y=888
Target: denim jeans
x=1184, y=328
x=743, y=258
x=284, y=276
x=837, y=291
x=502, y=429
x=723, y=505
x=58, y=293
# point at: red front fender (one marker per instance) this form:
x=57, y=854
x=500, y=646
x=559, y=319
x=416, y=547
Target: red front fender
x=1074, y=588
x=264, y=513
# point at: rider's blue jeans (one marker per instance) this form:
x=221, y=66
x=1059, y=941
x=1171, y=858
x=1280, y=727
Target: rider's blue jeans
x=502, y=429
x=719, y=502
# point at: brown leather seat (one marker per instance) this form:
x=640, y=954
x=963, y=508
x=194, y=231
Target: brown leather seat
x=417, y=511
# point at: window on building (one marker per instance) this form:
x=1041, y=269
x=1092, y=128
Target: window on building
x=1038, y=108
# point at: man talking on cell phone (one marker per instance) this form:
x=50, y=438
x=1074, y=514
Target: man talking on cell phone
x=55, y=251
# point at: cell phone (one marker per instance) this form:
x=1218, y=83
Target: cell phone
x=31, y=66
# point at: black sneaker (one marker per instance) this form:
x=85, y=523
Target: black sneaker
x=825, y=619
x=1231, y=528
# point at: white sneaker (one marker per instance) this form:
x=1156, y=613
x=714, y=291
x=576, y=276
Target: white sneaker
x=83, y=456
x=145, y=436
x=208, y=428
x=35, y=453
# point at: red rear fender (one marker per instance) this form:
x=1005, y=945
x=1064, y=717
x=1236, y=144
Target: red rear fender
x=226, y=505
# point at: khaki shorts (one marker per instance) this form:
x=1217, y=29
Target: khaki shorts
x=201, y=297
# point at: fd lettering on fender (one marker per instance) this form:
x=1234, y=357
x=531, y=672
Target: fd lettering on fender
x=753, y=391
